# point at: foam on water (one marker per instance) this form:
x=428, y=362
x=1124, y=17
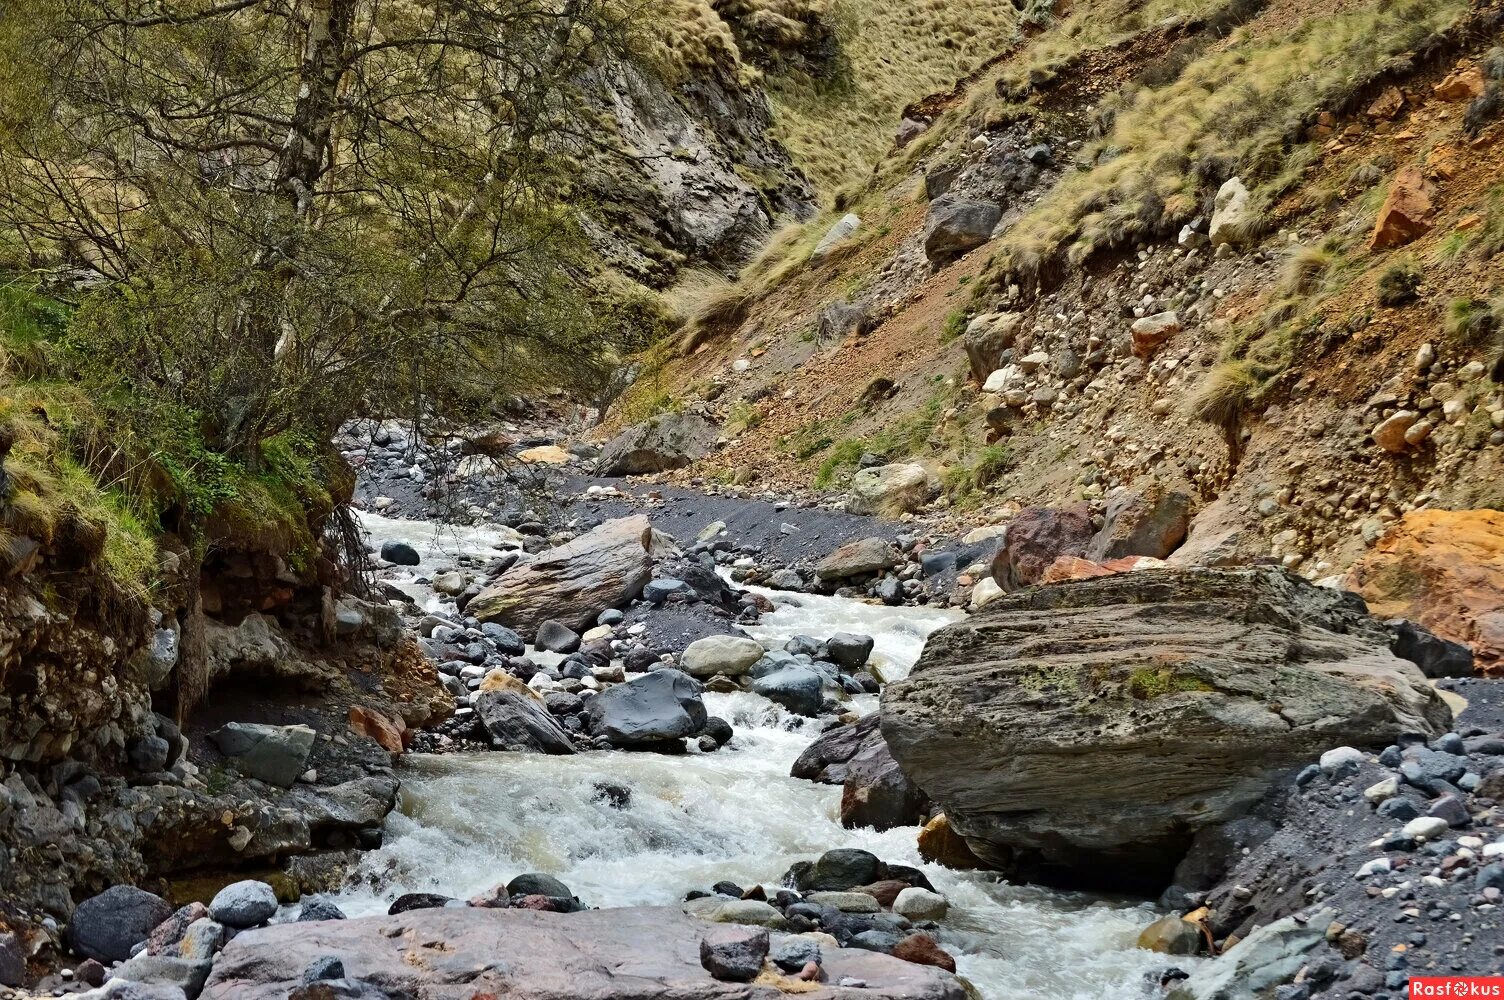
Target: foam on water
x=469, y=821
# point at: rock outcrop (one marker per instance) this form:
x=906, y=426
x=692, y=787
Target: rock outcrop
x=619, y=954
x=667, y=441
x=1081, y=733
x=573, y=582
x=1445, y=570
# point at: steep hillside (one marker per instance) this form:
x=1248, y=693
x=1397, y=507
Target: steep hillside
x=1245, y=250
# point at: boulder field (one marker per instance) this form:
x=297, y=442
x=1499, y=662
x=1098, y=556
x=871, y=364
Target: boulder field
x=1080, y=734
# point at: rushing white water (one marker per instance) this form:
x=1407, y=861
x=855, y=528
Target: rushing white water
x=468, y=822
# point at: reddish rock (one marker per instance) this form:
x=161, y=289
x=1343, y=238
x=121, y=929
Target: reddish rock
x=166, y=935
x=1072, y=568
x=1463, y=84
x=884, y=892
x=1406, y=215
x=494, y=898
x=389, y=733
x=1151, y=332
x=941, y=845
x=921, y=949
x=1445, y=570
x=1036, y=538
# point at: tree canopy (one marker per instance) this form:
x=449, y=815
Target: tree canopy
x=271, y=211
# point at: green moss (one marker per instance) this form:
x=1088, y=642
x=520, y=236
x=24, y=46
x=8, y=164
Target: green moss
x=1040, y=678
x=1156, y=682
x=955, y=325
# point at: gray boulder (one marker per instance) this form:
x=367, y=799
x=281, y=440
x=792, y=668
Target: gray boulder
x=849, y=650
x=244, y=904
x=799, y=689
x=187, y=974
x=12, y=960
x=661, y=705
x=574, y=582
x=958, y=225
x=734, y=953
x=1082, y=733
x=827, y=758
x=667, y=441
x=877, y=793
x=1151, y=522
x=107, y=926
x=273, y=754
x=517, y=718
x=987, y=337
x=1252, y=968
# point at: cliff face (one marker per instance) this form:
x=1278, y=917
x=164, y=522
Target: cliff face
x=702, y=182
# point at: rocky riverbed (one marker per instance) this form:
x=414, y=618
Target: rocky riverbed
x=756, y=745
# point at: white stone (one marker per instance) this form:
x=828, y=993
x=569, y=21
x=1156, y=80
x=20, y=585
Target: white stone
x=984, y=593
x=731, y=655
x=1332, y=760
x=919, y=904
x=1425, y=828
x=1374, y=867
x=1383, y=790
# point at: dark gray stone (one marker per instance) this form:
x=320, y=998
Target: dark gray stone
x=107, y=926
x=400, y=554
x=797, y=688
x=734, y=953
x=849, y=650
x=661, y=705
x=556, y=637
x=539, y=884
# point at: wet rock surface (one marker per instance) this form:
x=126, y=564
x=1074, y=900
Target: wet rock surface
x=631, y=954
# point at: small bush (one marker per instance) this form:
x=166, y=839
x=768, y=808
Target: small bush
x=991, y=464
x=1399, y=284
x=1493, y=63
x=1306, y=269
x=955, y=325
x=1484, y=109
x=1471, y=320
x=1226, y=394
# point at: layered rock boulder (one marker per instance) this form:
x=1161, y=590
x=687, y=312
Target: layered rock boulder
x=890, y=490
x=1445, y=570
x=574, y=582
x=667, y=441
x=516, y=718
x=618, y=954
x=1081, y=733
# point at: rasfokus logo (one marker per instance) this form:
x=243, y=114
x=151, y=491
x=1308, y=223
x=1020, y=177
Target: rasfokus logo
x=1457, y=987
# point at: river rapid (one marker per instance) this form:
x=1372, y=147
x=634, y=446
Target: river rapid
x=469, y=821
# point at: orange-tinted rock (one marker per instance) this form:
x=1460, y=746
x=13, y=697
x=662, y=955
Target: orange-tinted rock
x=921, y=949
x=388, y=733
x=1388, y=104
x=1072, y=568
x=1463, y=84
x=939, y=844
x=1445, y=570
x=1444, y=162
x=1406, y=215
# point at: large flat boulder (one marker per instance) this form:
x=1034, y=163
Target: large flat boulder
x=574, y=582
x=667, y=441
x=1081, y=733
x=647, y=953
x=1445, y=570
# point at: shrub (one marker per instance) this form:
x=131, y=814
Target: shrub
x=1471, y=320
x=1226, y=394
x=1399, y=284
